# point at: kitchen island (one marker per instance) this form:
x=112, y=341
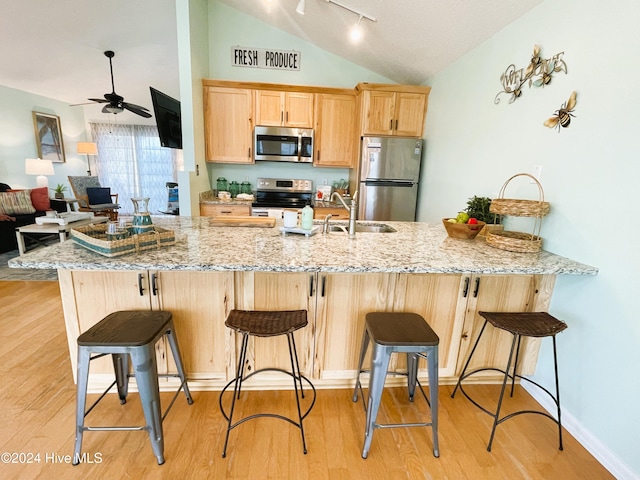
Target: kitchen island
x=211, y=270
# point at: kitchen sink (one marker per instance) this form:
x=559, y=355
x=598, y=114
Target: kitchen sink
x=372, y=228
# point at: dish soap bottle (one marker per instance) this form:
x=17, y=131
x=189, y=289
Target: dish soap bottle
x=306, y=221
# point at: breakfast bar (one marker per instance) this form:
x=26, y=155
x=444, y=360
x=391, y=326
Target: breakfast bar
x=211, y=270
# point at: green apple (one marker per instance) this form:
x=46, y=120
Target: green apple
x=463, y=217
x=452, y=220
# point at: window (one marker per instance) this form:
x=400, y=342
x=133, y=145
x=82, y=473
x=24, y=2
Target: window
x=132, y=162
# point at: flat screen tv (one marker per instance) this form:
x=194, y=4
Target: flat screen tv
x=167, y=113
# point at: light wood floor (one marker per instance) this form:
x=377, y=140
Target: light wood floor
x=37, y=401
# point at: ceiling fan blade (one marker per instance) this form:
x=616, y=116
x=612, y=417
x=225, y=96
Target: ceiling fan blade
x=98, y=100
x=137, y=109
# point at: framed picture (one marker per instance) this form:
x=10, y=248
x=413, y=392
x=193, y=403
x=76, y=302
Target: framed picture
x=48, y=137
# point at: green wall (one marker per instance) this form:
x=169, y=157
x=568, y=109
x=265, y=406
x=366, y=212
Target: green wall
x=229, y=27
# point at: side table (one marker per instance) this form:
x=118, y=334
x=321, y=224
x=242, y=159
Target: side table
x=52, y=229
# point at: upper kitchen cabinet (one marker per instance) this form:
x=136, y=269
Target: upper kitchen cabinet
x=284, y=109
x=228, y=124
x=393, y=110
x=335, y=130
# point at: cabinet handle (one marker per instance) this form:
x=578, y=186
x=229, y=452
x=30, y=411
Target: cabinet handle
x=318, y=155
x=140, y=287
x=286, y=117
x=324, y=281
x=281, y=117
x=466, y=288
x=249, y=152
x=475, y=290
x=391, y=124
x=154, y=284
x=311, y=286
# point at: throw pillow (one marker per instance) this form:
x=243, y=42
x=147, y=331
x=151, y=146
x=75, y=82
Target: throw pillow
x=40, y=199
x=99, y=196
x=16, y=203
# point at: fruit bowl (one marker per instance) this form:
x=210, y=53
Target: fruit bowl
x=462, y=230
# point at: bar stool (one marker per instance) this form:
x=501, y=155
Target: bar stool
x=127, y=334
x=398, y=332
x=266, y=324
x=525, y=324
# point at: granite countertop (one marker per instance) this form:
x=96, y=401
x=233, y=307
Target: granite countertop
x=413, y=248
x=210, y=198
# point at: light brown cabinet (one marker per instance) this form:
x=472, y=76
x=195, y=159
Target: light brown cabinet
x=335, y=131
x=337, y=213
x=337, y=304
x=390, y=112
x=284, y=109
x=228, y=124
x=197, y=301
x=211, y=210
x=278, y=291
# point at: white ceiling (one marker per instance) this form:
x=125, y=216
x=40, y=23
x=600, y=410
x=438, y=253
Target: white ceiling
x=55, y=48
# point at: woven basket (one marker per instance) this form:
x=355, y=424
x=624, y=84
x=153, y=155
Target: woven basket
x=94, y=238
x=520, y=208
x=519, y=241
x=515, y=241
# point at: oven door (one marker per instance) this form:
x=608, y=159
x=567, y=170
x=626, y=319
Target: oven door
x=266, y=212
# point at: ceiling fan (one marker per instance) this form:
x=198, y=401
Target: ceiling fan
x=114, y=102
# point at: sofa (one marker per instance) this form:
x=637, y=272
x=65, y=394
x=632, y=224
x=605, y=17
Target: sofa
x=24, y=206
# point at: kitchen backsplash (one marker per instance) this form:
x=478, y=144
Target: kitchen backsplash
x=250, y=173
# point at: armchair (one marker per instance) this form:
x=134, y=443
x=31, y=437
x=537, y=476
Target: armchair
x=92, y=197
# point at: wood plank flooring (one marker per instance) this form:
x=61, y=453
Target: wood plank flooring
x=37, y=402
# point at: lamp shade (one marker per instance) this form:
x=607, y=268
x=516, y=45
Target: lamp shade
x=37, y=166
x=88, y=148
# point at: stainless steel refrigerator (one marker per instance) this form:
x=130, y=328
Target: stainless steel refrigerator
x=389, y=174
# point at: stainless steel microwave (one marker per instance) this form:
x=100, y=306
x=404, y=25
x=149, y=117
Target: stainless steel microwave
x=283, y=144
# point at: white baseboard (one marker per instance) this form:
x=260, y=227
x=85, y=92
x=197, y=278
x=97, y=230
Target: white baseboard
x=595, y=447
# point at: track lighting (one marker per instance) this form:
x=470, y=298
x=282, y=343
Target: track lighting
x=356, y=31
x=352, y=10
x=301, y=6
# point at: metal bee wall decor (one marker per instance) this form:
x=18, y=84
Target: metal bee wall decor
x=562, y=116
x=538, y=74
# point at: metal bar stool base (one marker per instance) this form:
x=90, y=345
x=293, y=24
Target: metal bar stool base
x=129, y=336
x=398, y=332
x=267, y=324
x=520, y=325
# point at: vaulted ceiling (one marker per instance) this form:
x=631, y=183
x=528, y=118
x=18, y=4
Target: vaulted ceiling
x=55, y=48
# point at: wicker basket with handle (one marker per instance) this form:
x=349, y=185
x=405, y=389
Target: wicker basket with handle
x=519, y=241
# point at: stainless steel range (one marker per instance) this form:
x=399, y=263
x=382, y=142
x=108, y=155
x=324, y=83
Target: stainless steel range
x=276, y=194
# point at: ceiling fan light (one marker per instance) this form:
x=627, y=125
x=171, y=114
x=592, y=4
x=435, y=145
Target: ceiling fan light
x=113, y=109
x=301, y=7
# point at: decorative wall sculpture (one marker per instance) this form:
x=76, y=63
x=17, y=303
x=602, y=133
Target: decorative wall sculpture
x=562, y=116
x=538, y=73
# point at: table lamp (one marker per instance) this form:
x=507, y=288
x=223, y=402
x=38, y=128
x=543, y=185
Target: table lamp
x=37, y=166
x=88, y=148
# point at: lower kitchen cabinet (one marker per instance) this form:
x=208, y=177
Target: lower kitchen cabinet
x=199, y=302
x=337, y=304
x=210, y=210
x=277, y=291
x=342, y=303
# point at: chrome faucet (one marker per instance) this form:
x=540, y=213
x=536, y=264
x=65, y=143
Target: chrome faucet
x=325, y=225
x=353, y=211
